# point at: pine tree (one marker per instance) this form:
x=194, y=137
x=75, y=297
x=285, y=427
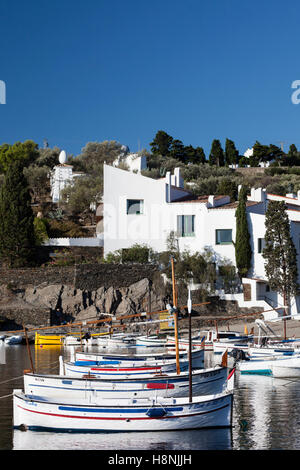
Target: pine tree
x=280, y=252
x=200, y=155
x=16, y=218
x=161, y=144
x=243, y=252
x=216, y=156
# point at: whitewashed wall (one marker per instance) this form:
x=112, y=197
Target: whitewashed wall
x=89, y=241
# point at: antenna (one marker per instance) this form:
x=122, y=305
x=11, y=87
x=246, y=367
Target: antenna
x=281, y=144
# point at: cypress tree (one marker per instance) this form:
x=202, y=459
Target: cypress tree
x=216, y=156
x=231, y=153
x=280, y=252
x=16, y=218
x=243, y=252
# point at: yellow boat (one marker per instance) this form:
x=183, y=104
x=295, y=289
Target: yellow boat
x=55, y=340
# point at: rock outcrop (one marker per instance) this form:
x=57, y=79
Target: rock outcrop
x=64, y=302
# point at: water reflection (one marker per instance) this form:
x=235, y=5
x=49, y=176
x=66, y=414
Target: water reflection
x=267, y=413
x=212, y=439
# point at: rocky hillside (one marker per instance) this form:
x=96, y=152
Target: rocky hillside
x=55, y=303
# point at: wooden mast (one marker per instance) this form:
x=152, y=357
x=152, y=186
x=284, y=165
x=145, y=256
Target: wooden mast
x=28, y=349
x=175, y=315
x=190, y=347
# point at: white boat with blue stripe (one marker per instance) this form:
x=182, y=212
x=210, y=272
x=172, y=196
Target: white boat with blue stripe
x=154, y=414
x=276, y=366
x=205, y=382
x=141, y=359
x=126, y=367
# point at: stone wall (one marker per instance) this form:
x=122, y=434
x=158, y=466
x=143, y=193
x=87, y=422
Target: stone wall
x=15, y=318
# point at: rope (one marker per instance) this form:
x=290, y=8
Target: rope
x=9, y=380
x=5, y=396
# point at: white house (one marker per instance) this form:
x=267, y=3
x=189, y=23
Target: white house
x=138, y=209
x=61, y=176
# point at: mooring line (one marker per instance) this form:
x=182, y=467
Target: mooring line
x=9, y=380
x=5, y=396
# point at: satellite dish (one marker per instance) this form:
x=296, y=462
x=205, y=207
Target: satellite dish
x=62, y=157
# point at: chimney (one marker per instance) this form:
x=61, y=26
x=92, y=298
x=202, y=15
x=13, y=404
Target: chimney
x=168, y=186
x=178, y=177
x=258, y=195
x=211, y=201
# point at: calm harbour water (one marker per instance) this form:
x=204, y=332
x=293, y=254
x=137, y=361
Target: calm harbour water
x=266, y=415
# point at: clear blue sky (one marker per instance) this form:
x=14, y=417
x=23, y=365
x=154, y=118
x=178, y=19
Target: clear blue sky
x=94, y=70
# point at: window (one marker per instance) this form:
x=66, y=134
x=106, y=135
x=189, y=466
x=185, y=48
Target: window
x=186, y=225
x=260, y=244
x=135, y=206
x=223, y=236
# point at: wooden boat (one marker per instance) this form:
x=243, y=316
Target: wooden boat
x=256, y=351
x=197, y=342
x=154, y=414
x=77, y=341
x=234, y=340
x=150, y=341
x=141, y=358
x=280, y=349
x=127, y=367
x=277, y=366
x=211, y=336
x=287, y=367
x=136, y=360
x=53, y=340
x=205, y=382
x=258, y=366
x=115, y=340
x=15, y=339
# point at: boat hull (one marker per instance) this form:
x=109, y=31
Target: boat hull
x=148, y=341
x=121, y=339
x=285, y=372
x=50, y=340
x=11, y=340
x=256, y=366
x=125, y=367
x=272, y=365
x=205, y=382
x=286, y=367
x=272, y=351
x=220, y=347
x=126, y=359
x=130, y=415
x=184, y=343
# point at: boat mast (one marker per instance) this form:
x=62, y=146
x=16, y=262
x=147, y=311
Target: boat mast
x=28, y=349
x=189, y=303
x=175, y=315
